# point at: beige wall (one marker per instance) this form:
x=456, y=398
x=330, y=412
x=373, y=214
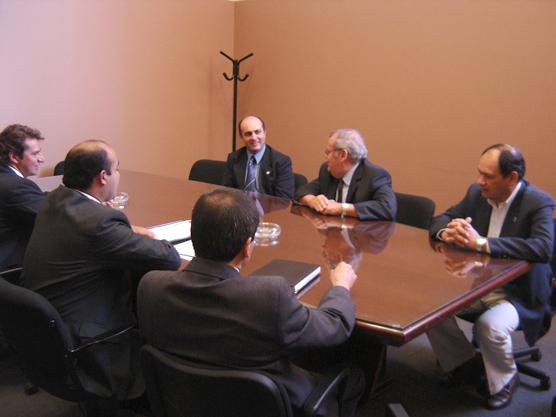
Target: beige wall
x=430, y=83
x=144, y=75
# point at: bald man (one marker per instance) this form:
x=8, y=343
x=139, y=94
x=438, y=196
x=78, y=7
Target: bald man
x=257, y=166
x=83, y=256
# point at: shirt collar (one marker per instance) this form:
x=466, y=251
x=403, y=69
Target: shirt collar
x=258, y=155
x=89, y=196
x=509, y=200
x=17, y=171
x=349, y=175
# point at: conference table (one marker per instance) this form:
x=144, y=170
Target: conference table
x=406, y=283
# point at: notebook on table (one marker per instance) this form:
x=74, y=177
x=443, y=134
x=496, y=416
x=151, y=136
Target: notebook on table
x=298, y=274
x=173, y=232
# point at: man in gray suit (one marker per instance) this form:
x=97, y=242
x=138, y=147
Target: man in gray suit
x=210, y=313
x=83, y=257
x=348, y=184
x=504, y=216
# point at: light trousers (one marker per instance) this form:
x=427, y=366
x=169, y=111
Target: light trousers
x=492, y=332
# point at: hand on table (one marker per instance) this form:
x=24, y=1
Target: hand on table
x=460, y=233
x=140, y=230
x=343, y=275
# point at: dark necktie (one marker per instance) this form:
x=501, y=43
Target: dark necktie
x=250, y=183
x=340, y=191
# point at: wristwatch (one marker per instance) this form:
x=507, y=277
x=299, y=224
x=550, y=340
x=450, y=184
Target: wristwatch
x=480, y=244
x=345, y=206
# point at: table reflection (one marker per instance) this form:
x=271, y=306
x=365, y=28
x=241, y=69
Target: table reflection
x=346, y=239
x=464, y=264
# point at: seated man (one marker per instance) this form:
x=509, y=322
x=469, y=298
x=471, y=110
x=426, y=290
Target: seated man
x=348, y=184
x=504, y=216
x=209, y=313
x=257, y=166
x=20, y=198
x=82, y=256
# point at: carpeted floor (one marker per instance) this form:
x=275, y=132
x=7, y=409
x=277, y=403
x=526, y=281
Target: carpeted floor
x=412, y=369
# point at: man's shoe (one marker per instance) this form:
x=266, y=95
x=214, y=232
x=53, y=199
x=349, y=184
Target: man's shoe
x=471, y=372
x=503, y=398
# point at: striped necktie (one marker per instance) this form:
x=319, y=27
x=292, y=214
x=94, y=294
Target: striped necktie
x=250, y=181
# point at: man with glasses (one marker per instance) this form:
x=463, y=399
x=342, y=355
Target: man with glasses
x=348, y=184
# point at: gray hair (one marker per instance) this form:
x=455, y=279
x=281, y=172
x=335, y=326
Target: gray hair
x=352, y=141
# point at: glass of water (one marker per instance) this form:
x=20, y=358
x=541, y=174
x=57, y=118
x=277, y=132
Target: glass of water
x=119, y=202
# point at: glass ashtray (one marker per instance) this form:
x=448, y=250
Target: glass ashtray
x=267, y=234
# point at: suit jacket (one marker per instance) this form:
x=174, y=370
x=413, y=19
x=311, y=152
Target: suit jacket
x=527, y=233
x=275, y=172
x=81, y=257
x=20, y=199
x=211, y=314
x=370, y=191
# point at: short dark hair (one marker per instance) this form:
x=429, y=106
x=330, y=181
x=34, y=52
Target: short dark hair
x=510, y=159
x=12, y=139
x=84, y=162
x=221, y=223
x=241, y=121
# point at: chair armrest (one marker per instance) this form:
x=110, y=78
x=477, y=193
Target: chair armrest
x=102, y=338
x=395, y=410
x=328, y=384
x=12, y=275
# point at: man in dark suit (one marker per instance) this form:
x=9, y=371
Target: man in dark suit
x=209, y=313
x=20, y=198
x=348, y=184
x=504, y=216
x=83, y=256
x=257, y=166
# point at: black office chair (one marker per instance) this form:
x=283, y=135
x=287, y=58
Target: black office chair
x=414, y=210
x=176, y=387
x=11, y=275
x=208, y=170
x=43, y=347
x=59, y=168
x=298, y=180
x=534, y=353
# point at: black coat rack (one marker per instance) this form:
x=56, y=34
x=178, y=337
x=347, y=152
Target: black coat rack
x=235, y=77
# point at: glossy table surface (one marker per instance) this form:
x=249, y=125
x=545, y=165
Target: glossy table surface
x=406, y=283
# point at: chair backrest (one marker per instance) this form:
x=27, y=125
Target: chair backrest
x=59, y=168
x=414, y=210
x=178, y=388
x=40, y=338
x=208, y=170
x=299, y=180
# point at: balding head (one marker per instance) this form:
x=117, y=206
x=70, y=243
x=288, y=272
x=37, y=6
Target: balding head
x=89, y=161
x=509, y=159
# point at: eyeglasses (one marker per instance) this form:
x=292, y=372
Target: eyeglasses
x=329, y=151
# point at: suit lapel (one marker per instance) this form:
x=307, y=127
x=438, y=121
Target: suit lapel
x=355, y=179
x=482, y=218
x=239, y=168
x=508, y=228
x=265, y=171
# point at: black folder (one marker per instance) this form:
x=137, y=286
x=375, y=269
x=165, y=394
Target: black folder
x=299, y=274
